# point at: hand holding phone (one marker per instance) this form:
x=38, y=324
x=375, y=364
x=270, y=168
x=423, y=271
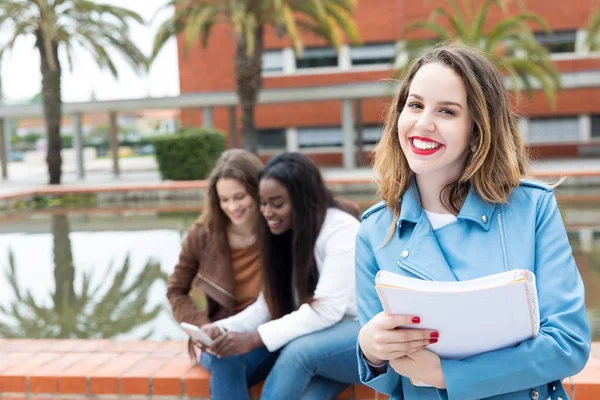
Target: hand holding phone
x=197, y=334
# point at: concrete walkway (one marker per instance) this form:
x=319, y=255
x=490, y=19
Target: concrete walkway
x=142, y=171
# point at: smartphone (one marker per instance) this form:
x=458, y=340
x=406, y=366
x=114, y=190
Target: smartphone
x=197, y=333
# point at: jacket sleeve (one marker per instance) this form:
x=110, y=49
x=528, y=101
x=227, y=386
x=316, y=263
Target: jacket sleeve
x=562, y=346
x=180, y=282
x=368, y=305
x=333, y=294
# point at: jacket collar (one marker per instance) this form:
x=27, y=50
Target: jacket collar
x=474, y=209
x=477, y=210
x=410, y=205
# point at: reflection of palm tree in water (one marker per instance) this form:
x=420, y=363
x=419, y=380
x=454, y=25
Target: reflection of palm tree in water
x=64, y=297
x=88, y=314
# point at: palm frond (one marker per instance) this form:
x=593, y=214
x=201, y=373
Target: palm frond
x=291, y=28
x=137, y=60
x=517, y=24
x=19, y=30
x=327, y=22
x=592, y=37
x=98, y=52
x=526, y=68
x=458, y=12
x=319, y=7
x=166, y=31
x=250, y=26
x=481, y=17
x=510, y=44
x=68, y=46
x=196, y=24
x=98, y=11
x=347, y=5
x=459, y=29
x=440, y=32
x=343, y=20
x=11, y=275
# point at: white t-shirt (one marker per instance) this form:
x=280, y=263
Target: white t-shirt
x=438, y=220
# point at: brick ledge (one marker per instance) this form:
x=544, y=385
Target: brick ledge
x=83, y=369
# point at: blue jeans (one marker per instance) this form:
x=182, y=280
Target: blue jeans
x=230, y=377
x=317, y=366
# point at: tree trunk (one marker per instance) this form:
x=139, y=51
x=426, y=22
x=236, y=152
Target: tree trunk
x=52, y=103
x=248, y=76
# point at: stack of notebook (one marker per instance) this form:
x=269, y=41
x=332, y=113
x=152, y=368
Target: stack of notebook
x=472, y=317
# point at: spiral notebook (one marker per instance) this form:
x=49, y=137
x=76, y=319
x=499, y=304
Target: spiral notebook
x=473, y=316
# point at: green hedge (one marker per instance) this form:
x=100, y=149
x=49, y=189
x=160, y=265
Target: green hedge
x=189, y=154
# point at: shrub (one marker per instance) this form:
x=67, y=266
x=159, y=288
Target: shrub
x=189, y=154
x=67, y=141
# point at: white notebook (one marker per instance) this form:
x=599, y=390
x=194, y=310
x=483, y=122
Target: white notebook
x=472, y=317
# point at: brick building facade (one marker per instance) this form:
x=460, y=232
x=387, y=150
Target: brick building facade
x=570, y=129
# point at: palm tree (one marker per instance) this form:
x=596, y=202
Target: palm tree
x=328, y=19
x=87, y=314
x=509, y=44
x=64, y=24
x=592, y=39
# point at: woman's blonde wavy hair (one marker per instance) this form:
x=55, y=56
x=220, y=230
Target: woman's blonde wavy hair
x=500, y=159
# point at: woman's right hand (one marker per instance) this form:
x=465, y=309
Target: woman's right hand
x=213, y=332
x=386, y=337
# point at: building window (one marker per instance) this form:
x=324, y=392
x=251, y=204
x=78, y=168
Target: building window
x=272, y=61
x=554, y=130
x=557, y=41
x=317, y=58
x=595, y=126
x=334, y=136
x=380, y=53
x=269, y=139
x=371, y=134
x=320, y=137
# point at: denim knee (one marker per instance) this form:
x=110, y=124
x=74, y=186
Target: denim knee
x=212, y=363
x=298, y=351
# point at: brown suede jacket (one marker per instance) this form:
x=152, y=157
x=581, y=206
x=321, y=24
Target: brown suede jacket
x=201, y=267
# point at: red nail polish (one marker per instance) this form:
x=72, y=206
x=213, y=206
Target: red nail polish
x=416, y=320
x=434, y=335
x=433, y=340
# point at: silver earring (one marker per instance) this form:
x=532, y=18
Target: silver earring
x=474, y=148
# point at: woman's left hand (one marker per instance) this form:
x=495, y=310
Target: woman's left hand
x=236, y=343
x=423, y=366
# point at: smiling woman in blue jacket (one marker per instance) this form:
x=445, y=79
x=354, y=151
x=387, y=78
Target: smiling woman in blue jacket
x=457, y=206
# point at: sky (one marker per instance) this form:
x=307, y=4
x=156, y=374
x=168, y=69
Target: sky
x=21, y=77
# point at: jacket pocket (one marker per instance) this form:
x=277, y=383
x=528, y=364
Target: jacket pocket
x=417, y=272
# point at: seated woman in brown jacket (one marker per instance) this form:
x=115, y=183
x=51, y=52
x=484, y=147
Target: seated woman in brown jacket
x=219, y=268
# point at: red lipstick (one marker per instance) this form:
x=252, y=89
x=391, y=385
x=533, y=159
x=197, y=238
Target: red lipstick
x=422, y=152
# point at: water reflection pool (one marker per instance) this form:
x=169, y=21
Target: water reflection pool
x=103, y=274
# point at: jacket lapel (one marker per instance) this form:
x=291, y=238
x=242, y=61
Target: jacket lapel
x=421, y=254
x=215, y=273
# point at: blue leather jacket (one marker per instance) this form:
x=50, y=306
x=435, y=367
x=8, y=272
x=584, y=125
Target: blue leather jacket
x=526, y=233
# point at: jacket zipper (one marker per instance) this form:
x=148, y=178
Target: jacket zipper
x=415, y=272
x=211, y=283
x=503, y=242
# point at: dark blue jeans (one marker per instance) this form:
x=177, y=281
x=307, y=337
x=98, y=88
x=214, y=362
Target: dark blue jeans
x=317, y=366
x=230, y=377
